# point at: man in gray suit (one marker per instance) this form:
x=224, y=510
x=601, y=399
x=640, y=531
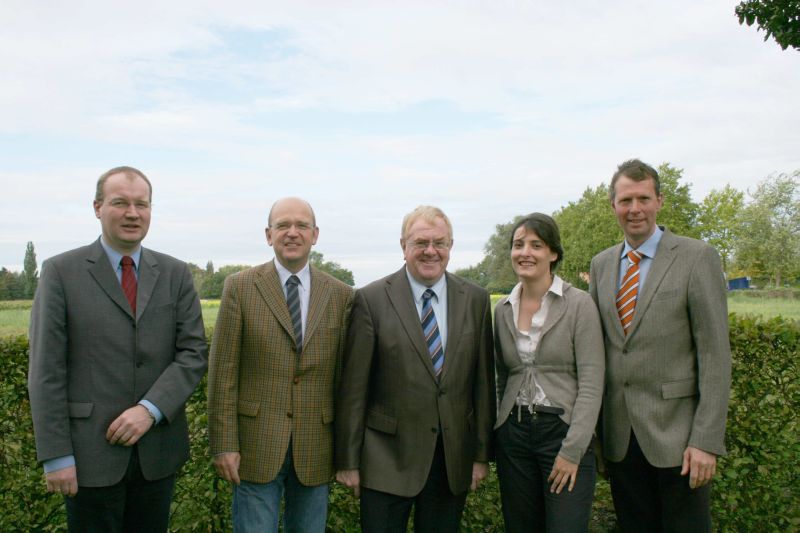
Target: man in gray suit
x=663, y=305
x=117, y=346
x=416, y=405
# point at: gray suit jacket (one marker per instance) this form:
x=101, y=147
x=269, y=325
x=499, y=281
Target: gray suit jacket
x=569, y=365
x=390, y=407
x=91, y=359
x=669, y=379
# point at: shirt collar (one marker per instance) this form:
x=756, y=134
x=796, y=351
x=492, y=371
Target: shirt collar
x=114, y=257
x=417, y=289
x=304, y=274
x=557, y=288
x=648, y=247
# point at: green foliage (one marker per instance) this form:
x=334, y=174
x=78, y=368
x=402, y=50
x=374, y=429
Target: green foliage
x=334, y=269
x=494, y=273
x=780, y=19
x=30, y=274
x=757, y=487
x=679, y=212
x=759, y=480
x=12, y=285
x=770, y=241
x=720, y=221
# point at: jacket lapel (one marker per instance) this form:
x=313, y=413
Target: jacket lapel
x=268, y=285
x=557, y=309
x=148, y=276
x=665, y=255
x=102, y=272
x=506, y=315
x=317, y=303
x=610, y=290
x=399, y=293
x=456, y=318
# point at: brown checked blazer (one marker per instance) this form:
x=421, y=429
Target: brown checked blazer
x=669, y=379
x=91, y=359
x=390, y=406
x=258, y=396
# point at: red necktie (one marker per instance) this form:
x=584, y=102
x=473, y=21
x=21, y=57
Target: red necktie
x=129, y=282
x=628, y=291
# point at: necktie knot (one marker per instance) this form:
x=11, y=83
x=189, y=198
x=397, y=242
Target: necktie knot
x=293, y=281
x=127, y=261
x=634, y=256
x=428, y=294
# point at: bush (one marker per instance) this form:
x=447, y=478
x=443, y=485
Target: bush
x=756, y=488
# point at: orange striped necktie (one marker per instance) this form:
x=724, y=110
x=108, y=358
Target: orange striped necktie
x=629, y=290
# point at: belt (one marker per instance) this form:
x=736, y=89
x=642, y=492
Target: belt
x=525, y=410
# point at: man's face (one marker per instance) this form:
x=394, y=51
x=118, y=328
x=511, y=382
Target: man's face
x=124, y=212
x=427, y=250
x=292, y=232
x=636, y=206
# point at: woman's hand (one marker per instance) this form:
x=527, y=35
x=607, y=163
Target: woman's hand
x=562, y=473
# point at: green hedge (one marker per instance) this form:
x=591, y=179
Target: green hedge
x=757, y=488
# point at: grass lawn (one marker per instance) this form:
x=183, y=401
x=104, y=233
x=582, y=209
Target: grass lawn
x=15, y=315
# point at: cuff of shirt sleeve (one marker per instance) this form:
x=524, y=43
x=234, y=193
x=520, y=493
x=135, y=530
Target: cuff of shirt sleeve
x=155, y=411
x=59, y=463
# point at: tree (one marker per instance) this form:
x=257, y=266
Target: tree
x=12, y=286
x=780, y=19
x=212, y=285
x=30, y=273
x=679, y=212
x=332, y=268
x=720, y=221
x=770, y=241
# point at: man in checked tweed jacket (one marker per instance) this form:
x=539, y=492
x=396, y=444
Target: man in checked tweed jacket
x=270, y=405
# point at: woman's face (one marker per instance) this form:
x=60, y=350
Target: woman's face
x=530, y=256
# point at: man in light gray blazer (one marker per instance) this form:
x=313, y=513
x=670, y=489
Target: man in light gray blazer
x=668, y=362
x=117, y=345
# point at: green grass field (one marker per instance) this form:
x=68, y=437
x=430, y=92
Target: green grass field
x=15, y=315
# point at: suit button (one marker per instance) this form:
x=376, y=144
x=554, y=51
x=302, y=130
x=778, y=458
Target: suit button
x=288, y=415
x=625, y=384
x=296, y=380
x=139, y=364
x=625, y=351
x=433, y=430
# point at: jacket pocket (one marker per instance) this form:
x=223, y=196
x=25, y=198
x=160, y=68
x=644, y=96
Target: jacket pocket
x=80, y=410
x=381, y=422
x=246, y=408
x=679, y=389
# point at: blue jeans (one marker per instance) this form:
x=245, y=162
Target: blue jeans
x=256, y=506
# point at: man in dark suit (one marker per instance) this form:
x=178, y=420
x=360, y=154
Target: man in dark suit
x=117, y=346
x=277, y=347
x=663, y=306
x=416, y=405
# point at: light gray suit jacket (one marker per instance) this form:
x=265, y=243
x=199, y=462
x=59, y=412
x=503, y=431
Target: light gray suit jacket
x=669, y=379
x=390, y=406
x=569, y=365
x=91, y=359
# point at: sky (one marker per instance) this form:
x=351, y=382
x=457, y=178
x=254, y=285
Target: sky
x=487, y=110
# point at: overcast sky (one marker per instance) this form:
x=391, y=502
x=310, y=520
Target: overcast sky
x=367, y=109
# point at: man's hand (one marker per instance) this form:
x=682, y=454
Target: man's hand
x=701, y=466
x=350, y=479
x=227, y=465
x=63, y=481
x=563, y=471
x=479, y=473
x=129, y=427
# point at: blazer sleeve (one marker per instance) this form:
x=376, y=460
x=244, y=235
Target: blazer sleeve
x=353, y=393
x=500, y=368
x=590, y=363
x=179, y=379
x=47, y=372
x=708, y=310
x=223, y=373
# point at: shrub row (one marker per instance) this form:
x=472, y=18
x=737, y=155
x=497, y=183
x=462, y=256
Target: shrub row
x=757, y=488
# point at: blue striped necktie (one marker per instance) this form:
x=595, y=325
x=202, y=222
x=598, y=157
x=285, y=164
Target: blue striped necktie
x=431, y=330
x=293, y=302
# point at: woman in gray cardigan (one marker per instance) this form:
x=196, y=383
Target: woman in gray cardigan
x=550, y=367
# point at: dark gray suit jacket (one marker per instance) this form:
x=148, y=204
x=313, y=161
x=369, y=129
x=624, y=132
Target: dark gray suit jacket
x=390, y=406
x=669, y=379
x=91, y=359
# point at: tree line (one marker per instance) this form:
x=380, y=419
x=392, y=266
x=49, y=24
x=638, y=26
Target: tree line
x=758, y=236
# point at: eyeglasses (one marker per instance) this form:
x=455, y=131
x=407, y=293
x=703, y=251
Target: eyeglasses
x=439, y=244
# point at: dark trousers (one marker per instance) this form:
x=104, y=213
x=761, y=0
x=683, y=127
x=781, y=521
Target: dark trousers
x=527, y=446
x=436, y=509
x=647, y=498
x=133, y=505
